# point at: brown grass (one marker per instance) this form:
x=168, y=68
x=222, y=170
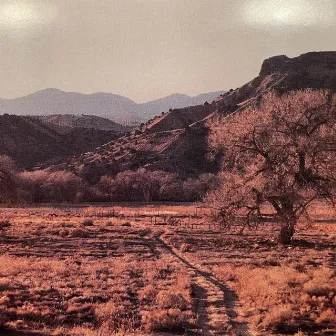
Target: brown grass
x=59, y=276
x=283, y=298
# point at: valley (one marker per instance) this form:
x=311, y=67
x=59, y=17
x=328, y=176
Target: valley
x=213, y=219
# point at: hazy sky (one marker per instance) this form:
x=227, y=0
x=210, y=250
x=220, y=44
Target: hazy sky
x=145, y=49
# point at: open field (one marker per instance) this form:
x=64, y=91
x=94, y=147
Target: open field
x=162, y=270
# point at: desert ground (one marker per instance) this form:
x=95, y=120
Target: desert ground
x=162, y=269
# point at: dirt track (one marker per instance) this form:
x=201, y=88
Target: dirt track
x=215, y=303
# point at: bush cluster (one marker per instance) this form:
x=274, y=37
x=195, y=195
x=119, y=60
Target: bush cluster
x=142, y=185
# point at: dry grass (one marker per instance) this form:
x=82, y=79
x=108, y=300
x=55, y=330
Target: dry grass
x=114, y=294
x=284, y=298
x=62, y=276
x=170, y=307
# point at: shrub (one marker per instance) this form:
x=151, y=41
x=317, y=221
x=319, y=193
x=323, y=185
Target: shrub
x=170, y=299
x=277, y=317
x=78, y=233
x=109, y=311
x=163, y=320
x=87, y=222
x=5, y=224
x=4, y=284
x=148, y=293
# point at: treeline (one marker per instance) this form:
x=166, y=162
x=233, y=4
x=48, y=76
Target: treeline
x=142, y=185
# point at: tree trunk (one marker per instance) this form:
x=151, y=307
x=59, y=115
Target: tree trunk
x=286, y=232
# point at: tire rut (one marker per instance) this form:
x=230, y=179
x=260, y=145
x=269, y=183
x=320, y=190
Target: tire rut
x=215, y=303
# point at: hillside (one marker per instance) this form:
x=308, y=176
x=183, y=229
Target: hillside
x=117, y=108
x=30, y=141
x=68, y=121
x=176, y=141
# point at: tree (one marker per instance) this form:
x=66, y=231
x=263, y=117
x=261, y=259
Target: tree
x=8, y=181
x=278, y=155
x=140, y=185
x=195, y=188
x=63, y=186
x=33, y=183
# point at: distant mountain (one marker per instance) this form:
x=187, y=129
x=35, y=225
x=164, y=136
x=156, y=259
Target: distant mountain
x=31, y=141
x=53, y=101
x=117, y=108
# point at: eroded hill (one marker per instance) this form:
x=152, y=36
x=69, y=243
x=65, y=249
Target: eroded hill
x=31, y=141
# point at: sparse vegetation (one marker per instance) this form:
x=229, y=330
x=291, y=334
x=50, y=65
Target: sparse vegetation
x=65, y=278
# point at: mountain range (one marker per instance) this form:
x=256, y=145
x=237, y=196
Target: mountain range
x=173, y=140
x=176, y=141
x=117, y=108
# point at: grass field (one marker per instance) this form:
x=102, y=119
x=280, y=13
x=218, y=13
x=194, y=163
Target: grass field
x=162, y=270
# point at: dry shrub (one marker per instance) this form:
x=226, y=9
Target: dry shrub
x=327, y=316
x=79, y=233
x=4, y=300
x=13, y=266
x=277, y=316
x=4, y=284
x=186, y=248
x=87, y=222
x=282, y=296
x=300, y=333
x=158, y=270
x=116, y=314
x=18, y=324
x=169, y=299
x=148, y=293
x=5, y=224
x=171, y=307
x=173, y=319
x=103, y=330
x=321, y=282
x=107, y=311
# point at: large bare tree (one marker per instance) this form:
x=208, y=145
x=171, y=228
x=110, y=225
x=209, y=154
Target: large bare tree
x=279, y=155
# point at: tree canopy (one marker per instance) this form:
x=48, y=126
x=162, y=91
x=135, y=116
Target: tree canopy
x=279, y=154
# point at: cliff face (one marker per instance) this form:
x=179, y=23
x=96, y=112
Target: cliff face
x=324, y=61
x=314, y=70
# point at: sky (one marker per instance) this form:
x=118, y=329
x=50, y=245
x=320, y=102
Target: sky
x=146, y=49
